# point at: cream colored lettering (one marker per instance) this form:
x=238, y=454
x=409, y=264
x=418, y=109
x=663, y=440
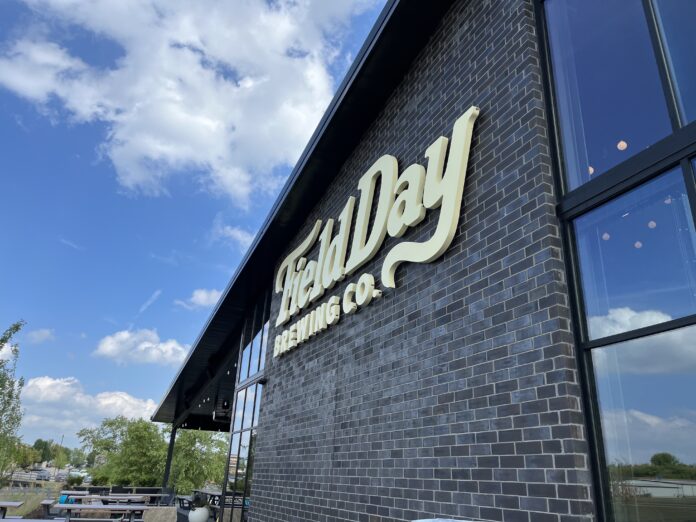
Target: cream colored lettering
x=408, y=209
x=365, y=290
x=324, y=240
x=306, y=281
x=365, y=246
x=334, y=263
x=321, y=318
x=444, y=191
x=349, y=305
x=333, y=310
x=286, y=272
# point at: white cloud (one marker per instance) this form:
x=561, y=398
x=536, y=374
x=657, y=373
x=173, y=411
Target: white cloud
x=56, y=406
x=150, y=300
x=5, y=352
x=232, y=234
x=633, y=436
x=227, y=90
x=41, y=335
x=672, y=352
x=620, y=320
x=141, y=347
x=200, y=298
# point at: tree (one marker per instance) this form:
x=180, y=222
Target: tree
x=105, y=439
x=199, y=458
x=61, y=456
x=140, y=459
x=78, y=458
x=45, y=449
x=10, y=391
x=664, y=460
x=26, y=455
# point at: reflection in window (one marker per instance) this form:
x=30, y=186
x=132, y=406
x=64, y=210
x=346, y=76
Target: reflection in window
x=609, y=97
x=264, y=344
x=637, y=258
x=676, y=20
x=646, y=390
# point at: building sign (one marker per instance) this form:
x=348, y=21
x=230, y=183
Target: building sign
x=403, y=202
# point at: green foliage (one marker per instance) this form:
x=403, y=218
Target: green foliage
x=199, y=458
x=662, y=465
x=105, y=439
x=664, y=459
x=61, y=456
x=74, y=480
x=140, y=459
x=10, y=406
x=26, y=455
x=77, y=458
x=133, y=452
x=45, y=449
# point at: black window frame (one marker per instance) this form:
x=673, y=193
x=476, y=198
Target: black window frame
x=676, y=150
x=260, y=308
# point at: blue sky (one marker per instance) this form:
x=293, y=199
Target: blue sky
x=140, y=154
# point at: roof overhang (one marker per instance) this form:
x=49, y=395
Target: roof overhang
x=400, y=33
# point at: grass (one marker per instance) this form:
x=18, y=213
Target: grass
x=31, y=497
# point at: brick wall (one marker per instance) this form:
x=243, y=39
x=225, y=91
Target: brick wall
x=456, y=394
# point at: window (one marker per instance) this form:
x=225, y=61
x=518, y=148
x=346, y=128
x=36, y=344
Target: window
x=637, y=257
x=676, y=20
x=623, y=77
x=646, y=388
x=247, y=406
x=608, y=91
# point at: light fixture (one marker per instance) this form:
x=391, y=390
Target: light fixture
x=668, y=200
x=638, y=244
x=590, y=170
x=652, y=224
x=622, y=145
x=606, y=236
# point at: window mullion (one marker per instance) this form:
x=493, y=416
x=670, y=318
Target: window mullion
x=663, y=68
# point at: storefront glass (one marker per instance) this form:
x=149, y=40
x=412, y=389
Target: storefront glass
x=676, y=21
x=623, y=73
x=608, y=91
x=246, y=415
x=646, y=388
x=637, y=257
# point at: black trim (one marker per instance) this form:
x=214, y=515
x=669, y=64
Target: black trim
x=662, y=66
x=674, y=324
x=635, y=171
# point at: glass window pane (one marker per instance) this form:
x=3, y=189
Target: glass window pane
x=608, y=91
x=264, y=344
x=637, y=258
x=250, y=469
x=234, y=457
x=244, y=370
x=249, y=407
x=257, y=406
x=676, y=21
x=240, y=482
x=256, y=351
x=239, y=410
x=646, y=390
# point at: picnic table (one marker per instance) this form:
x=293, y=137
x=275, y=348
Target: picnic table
x=108, y=499
x=128, y=509
x=6, y=504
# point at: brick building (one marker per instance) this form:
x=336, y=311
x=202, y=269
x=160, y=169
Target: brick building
x=533, y=358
